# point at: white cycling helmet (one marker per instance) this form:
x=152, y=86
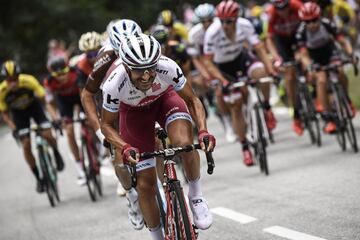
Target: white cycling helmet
x=205, y=11
x=90, y=41
x=118, y=30
x=140, y=51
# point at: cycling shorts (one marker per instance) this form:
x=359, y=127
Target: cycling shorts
x=22, y=118
x=286, y=47
x=241, y=66
x=66, y=105
x=324, y=55
x=136, y=124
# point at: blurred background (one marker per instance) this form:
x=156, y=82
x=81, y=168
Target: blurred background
x=29, y=28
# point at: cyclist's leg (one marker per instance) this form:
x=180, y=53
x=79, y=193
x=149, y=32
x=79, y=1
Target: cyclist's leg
x=121, y=171
x=22, y=123
x=257, y=71
x=175, y=118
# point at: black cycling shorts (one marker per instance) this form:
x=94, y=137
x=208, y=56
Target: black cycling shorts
x=286, y=47
x=66, y=105
x=324, y=55
x=22, y=118
x=239, y=67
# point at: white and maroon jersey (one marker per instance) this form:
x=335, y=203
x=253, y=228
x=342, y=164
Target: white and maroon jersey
x=118, y=87
x=224, y=50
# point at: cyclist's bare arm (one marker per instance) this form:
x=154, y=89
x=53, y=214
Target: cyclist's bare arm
x=50, y=106
x=186, y=68
x=7, y=119
x=213, y=69
x=346, y=45
x=200, y=67
x=111, y=135
x=87, y=100
x=304, y=57
x=262, y=54
x=196, y=108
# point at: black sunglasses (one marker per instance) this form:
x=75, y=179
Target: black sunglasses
x=144, y=70
x=227, y=21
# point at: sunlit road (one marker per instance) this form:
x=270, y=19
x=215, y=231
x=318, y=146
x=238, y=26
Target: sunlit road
x=311, y=194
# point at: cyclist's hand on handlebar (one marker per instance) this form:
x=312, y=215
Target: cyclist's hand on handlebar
x=203, y=134
x=57, y=124
x=127, y=152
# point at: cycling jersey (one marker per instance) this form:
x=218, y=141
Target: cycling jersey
x=84, y=68
x=320, y=43
x=66, y=89
x=21, y=98
x=196, y=40
x=287, y=26
x=103, y=61
x=118, y=87
x=317, y=39
x=180, y=31
x=341, y=9
x=224, y=50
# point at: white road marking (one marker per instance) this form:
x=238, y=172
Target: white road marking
x=290, y=234
x=230, y=214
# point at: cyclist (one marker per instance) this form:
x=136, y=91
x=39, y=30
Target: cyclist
x=117, y=30
x=225, y=55
x=62, y=91
x=89, y=44
x=177, y=30
x=21, y=96
x=205, y=13
x=316, y=38
x=141, y=90
x=283, y=23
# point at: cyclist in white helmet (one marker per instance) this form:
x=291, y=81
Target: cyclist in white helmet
x=143, y=88
x=117, y=30
x=205, y=13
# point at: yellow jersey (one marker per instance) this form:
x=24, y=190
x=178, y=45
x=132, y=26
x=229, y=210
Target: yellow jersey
x=341, y=9
x=27, y=90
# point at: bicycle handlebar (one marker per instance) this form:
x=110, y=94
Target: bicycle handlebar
x=334, y=66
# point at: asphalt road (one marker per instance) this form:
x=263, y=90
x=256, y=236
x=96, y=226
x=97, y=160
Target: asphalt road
x=311, y=194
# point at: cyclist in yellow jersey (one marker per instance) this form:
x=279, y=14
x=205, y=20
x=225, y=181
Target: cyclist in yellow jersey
x=342, y=13
x=20, y=100
x=177, y=30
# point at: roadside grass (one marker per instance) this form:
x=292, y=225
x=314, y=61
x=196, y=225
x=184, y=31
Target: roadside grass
x=354, y=87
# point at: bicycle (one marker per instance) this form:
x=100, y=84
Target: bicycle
x=44, y=163
x=177, y=224
x=341, y=104
x=258, y=134
x=307, y=111
x=89, y=155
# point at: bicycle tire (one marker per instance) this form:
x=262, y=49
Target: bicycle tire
x=96, y=169
x=349, y=127
x=86, y=165
x=313, y=121
x=161, y=207
x=261, y=144
x=340, y=119
x=46, y=178
x=183, y=226
x=53, y=178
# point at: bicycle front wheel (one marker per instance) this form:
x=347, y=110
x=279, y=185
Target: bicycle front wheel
x=340, y=118
x=349, y=127
x=261, y=143
x=89, y=174
x=183, y=227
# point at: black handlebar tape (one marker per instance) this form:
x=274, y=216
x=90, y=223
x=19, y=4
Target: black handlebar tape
x=133, y=170
x=209, y=158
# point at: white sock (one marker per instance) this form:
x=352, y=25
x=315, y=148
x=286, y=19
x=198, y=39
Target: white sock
x=194, y=189
x=132, y=194
x=227, y=122
x=157, y=233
